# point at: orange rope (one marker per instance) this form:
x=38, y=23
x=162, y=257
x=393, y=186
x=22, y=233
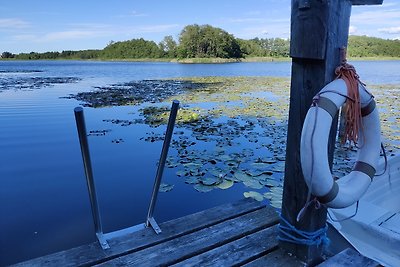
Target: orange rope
x=352, y=107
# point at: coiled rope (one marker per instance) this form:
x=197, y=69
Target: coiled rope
x=352, y=109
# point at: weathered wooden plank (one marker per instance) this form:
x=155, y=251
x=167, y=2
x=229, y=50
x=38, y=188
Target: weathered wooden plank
x=238, y=252
x=92, y=253
x=277, y=258
x=349, y=257
x=190, y=245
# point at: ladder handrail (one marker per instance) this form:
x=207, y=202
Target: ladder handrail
x=102, y=238
x=160, y=169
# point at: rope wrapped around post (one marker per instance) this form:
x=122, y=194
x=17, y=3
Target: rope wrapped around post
x=289, y=233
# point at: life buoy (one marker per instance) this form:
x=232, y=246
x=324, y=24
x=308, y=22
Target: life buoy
x=314, y=147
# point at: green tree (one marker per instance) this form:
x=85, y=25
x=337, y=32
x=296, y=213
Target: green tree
x=207, y=41
x=364, y=46
x=169, y=46
x=7, y=55
x=134, y=49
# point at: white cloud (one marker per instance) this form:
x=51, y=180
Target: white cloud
x=24, y=37
x=90, y=31
x=376, y=16
x=13, y=23
x=390, y=30
x=135, y=13
x=68, y=35
x=352, y=30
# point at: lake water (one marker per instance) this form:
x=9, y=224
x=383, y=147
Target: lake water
x=44, y=204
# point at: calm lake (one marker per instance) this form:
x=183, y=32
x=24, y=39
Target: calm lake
x=44, y=203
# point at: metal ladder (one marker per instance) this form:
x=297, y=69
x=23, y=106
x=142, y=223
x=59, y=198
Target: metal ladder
x=150, y=221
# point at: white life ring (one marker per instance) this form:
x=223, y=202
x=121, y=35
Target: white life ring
x=314, y=148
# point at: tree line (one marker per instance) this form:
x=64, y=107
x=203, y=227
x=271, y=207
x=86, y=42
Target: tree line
x=206, y=41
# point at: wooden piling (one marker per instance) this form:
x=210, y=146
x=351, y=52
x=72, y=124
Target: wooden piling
x=318, y=30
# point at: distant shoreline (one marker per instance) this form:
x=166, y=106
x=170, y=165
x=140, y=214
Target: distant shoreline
x=206, y=60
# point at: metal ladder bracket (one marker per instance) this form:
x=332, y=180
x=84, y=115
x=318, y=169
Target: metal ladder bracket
x=154, y=225
x=103, y=241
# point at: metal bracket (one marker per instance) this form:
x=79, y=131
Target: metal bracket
x=103, y=241
x=154, y=225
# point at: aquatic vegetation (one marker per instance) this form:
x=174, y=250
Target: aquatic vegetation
x=135, y=92
x=155, y=116
x=232, y=130
x=33, y=83
x=165, y=187
x=253, y=194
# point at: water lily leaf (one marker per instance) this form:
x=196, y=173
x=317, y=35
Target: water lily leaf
x=267, y=161
x=225, y=158
x=252, y=194
x=225, y=184
x=268, y=172
x=278, y=169
x=165, y=187
x=217, y=172
x=203, y=188
x=231, y=178
x=269, y=195
x=281, y=158
x=270, y=183
x=191, y=180
x=253, y=172
x=241, y=176
x=276, y=203
x=192, y=166
x=253, y=184
x=210, y=180
x=277, y=190
x=263, y=177
x=260, y=165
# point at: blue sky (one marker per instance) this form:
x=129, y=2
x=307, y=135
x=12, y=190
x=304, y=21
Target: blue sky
x=53, y=25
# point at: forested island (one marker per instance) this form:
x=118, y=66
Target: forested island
x=205, y=43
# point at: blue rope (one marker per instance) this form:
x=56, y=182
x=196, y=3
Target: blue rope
x=289, y=233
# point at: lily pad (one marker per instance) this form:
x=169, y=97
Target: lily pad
x=269, y=195
x=203, y=188
x=263, y=177
x=270, y=183
x=241, y=176
x=253, y=172
x=210, y=180
x=255, y=195
x=253, y=184
x=225, y=184
x=276, y=203
x=191, y=180
x=260, y=165
x=165, y=187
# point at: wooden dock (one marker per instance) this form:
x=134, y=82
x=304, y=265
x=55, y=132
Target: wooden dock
x=235, y=234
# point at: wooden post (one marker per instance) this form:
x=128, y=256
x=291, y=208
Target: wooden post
x=319, y=28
